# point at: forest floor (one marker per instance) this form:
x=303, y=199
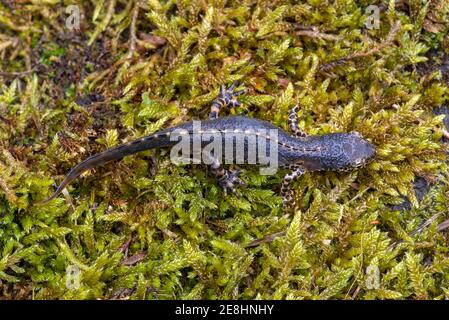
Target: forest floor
x=77, y=77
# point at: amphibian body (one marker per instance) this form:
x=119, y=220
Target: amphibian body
x=297, y=151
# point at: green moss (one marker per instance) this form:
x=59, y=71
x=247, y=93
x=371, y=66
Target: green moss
x=131, y=231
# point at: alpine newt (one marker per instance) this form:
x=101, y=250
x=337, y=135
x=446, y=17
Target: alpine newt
x=297, y=151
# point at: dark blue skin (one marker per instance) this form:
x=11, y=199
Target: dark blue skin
x=329, y=152
x=298, y=152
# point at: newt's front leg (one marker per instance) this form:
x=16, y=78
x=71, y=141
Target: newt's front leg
x=293, y=123
x=286, y=190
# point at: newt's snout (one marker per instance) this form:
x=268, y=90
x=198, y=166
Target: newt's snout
x=361, y=151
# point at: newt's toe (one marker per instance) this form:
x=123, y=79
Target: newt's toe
x=230, y=180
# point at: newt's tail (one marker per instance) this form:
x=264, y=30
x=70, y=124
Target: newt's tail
x=157, y=140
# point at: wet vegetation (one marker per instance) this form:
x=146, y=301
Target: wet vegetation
x=143, y=228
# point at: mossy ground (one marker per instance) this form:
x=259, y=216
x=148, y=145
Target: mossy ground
x=145, y=228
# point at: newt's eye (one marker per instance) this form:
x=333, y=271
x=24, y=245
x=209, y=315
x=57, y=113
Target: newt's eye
x=358, y=162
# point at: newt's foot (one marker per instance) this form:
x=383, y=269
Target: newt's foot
x=229, y=96
x=226, y=98
x=288, y=199
x=229, y=180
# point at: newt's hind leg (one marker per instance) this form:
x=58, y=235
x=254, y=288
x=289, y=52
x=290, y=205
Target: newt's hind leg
x=293, y=123
x=227, y=179
x=227, y=98
x=286, y=190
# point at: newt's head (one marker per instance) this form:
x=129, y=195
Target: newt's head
x=350, y=151
x=338, y=152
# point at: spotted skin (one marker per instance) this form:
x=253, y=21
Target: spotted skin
x=227, y=179
x=297, y=152
x=226, y=98
x=293, y=123
x=286, y=190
